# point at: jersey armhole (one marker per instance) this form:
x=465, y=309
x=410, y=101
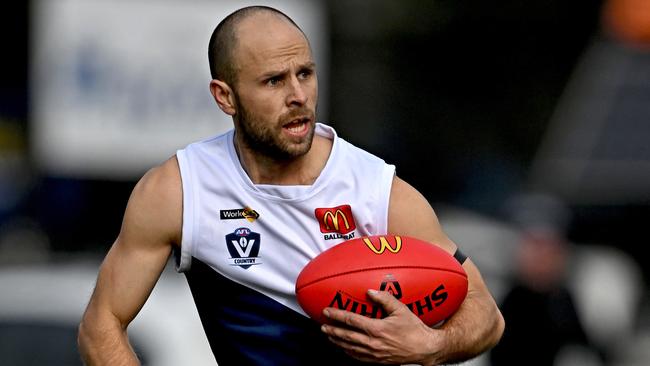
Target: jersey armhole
x=185, y=252
x=387, y=176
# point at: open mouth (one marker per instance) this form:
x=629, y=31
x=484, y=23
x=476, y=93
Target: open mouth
x=298, y=126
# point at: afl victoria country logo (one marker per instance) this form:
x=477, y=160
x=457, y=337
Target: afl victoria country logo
x=244, y=247
x=383, y=244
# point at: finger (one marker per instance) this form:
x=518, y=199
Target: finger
x=348, y=336
x=350, y=319
x=386, y=300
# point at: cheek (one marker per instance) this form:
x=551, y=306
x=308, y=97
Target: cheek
x=261, y=106
x=314, y=90
x=314, y=100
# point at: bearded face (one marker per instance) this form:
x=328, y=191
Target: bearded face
x=276, y=89
x=270, y=137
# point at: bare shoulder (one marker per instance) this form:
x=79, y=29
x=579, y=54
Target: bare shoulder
x=155, y=205
x=410, y=214
x=164, y=179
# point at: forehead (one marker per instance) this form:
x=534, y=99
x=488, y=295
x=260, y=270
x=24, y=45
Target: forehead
x=267, y=41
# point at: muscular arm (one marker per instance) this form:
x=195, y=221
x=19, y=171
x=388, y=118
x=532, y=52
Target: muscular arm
x=402, y=337
x=478, y=324
x=151, y=226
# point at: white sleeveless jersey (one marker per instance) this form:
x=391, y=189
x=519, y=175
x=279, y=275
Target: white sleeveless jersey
x=244, y=244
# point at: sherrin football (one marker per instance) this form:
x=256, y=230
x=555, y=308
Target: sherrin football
x=430, y=281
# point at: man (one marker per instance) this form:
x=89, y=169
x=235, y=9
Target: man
x=243, y=210
x=539, y=285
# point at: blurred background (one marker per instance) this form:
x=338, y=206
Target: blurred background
x=526, y=124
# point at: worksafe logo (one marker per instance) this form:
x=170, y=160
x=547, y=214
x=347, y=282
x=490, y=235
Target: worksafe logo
x=244, y=247
x=383, y=244
x=336, y=222
x=239, y=213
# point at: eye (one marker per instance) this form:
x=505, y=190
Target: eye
x=273, y=81
x=305, y=74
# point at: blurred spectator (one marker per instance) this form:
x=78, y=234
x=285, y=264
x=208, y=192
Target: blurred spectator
x=541, y=317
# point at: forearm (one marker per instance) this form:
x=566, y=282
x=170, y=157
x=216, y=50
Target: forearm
x=105, y=344
x=476, y=327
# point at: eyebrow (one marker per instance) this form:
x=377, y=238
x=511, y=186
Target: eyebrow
x=270, y=74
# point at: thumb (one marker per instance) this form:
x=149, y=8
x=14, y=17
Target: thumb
x=386, y=300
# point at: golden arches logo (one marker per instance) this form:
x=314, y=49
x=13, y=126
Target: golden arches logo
x=335, y=220
x=384, y=244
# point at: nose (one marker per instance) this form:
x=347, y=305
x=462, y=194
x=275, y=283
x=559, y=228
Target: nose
x=297, y=94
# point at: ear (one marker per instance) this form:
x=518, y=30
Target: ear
x=224, y=96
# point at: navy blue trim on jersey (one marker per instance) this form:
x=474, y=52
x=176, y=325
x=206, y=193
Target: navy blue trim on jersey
x=245, y=327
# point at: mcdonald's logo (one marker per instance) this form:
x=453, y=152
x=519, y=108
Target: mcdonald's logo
x=336, y=219
x=384, y=244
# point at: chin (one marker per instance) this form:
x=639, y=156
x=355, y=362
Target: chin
x=292, y=151
x=301, y=147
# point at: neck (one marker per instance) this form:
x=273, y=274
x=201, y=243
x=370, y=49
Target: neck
x=301, y=170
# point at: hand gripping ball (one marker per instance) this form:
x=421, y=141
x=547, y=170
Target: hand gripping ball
x=430, y=281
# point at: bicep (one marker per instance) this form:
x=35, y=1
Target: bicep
x=126, y=278
x=410, y=214
x=134, y=263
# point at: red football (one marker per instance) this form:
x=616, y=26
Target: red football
x=430, y=281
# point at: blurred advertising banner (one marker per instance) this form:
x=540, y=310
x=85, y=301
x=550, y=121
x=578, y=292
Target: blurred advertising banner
x=118, y=86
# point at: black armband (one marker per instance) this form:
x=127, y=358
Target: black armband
x=460, y=257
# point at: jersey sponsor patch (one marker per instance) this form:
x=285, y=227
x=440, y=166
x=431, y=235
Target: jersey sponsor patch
x=336, y=222
x=244, y=247
x=239, y=213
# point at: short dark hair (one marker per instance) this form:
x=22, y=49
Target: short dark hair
x=224, y=39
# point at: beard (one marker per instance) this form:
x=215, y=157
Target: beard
x=267, y=138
